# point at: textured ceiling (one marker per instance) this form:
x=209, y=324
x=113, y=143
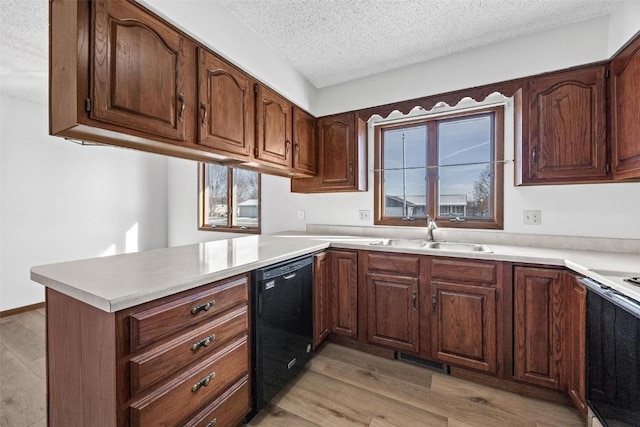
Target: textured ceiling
x=328, y=41
x=332, y=41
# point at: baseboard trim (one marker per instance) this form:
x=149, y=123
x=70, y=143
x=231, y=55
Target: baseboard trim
x=18, y=310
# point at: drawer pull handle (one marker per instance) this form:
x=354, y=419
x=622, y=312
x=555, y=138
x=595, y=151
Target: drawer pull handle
x=204, y=342
x=203, y=382
x=212, y=422
x=203, y=307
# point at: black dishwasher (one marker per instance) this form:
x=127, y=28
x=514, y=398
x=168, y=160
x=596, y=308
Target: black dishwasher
x=282, y=326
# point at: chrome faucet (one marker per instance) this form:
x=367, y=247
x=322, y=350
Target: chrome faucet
x=431, y=225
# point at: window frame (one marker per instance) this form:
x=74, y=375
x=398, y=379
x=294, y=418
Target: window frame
x=229, y=228
x=496, y=222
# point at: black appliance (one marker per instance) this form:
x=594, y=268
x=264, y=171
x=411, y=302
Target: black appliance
x=613, y=356
x=282, y=326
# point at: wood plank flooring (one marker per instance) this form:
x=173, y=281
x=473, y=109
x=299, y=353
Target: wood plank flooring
x=341, y=387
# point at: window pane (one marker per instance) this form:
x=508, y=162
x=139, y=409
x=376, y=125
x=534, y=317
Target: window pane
x=404, y=175
x=465, y=188
x=215, y=195
x=245, y=198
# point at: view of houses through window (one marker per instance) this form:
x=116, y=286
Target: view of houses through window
x=444, y=167
x=229, y=199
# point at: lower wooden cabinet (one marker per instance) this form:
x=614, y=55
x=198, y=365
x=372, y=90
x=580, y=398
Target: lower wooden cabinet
x=180, y=360
x=321, y=297
x=538, y=320
x=575, y=342
x=344, y=293
x=463, y=328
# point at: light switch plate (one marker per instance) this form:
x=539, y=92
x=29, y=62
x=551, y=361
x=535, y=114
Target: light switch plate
x=364, y=214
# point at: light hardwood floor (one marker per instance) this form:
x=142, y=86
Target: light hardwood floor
x=341, y=387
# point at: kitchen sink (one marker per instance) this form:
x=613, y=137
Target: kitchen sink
x=458, y=247
x=401, y=243
x=422, y=244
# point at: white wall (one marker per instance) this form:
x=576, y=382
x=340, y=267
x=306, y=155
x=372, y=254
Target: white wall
x=62, y=201
x=229, y=37
x=550, y=50
x=624, y=23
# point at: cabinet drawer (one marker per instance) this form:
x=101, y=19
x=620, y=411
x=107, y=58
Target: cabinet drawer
x=392, y=263
x=165, y=319
x=463, y=270
x=159, y=362
x=227, y=410
x=168, y=404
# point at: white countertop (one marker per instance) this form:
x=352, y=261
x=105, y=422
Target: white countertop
x=121, y=281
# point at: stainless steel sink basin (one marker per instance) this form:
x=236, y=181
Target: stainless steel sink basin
x=400, y=243
x=458, y=247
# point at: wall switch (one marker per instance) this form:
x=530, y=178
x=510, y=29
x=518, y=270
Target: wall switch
x=532, y=217
x=301, y=214
x=364, y=214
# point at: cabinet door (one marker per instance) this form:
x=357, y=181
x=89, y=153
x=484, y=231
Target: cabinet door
x=321, y=298
x=463, y=330
x=274, y=124
x=576, y=346
x=567, y=127
x=538, y=316
x=393, y=311
x=344, y=293
x=342, y=157
x=225, y=106
x=143, y=71
x=625, y=111
x=305, y=149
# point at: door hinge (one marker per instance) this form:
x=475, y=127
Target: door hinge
x=607, y=168
x=255, y=88
x=87, y=104
x=255, y=151
x=607, y=73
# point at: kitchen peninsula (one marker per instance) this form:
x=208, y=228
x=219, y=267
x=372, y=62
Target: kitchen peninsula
x=121, y=328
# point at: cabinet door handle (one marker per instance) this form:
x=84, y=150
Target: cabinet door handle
x=212, y=422
x=534, y=155
x=203, y=307
x=414, y=300
x=203, y=107
x=181, y=110
x=434, y=305
x=204, y=342
x=296, y=148
x=287, y=144
x=203, y=382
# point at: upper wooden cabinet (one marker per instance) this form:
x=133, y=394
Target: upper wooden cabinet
x=342, y=156
x=142, y=71
x=225, y=105
x=305, y=147
x=564, y=127
x=625, y=111
x=273, y=127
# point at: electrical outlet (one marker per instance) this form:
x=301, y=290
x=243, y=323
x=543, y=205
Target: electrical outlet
x=301, y=214
x=532, y=217
x=364, y=214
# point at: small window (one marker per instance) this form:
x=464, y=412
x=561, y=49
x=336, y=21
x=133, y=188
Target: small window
x=448, y=167
x=229, y=199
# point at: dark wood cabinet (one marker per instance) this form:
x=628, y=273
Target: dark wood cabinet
x=465, y=313
x=575, y=342
x=273, y=127
x=342, y=156
x=143, y=72
x=539, y=314
x=393, y=319
x=225, y=106
x=625, y=111
x=164, y=362
x=321, y=297
x=344, y=293
x=564, y=127
x=305, y=147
